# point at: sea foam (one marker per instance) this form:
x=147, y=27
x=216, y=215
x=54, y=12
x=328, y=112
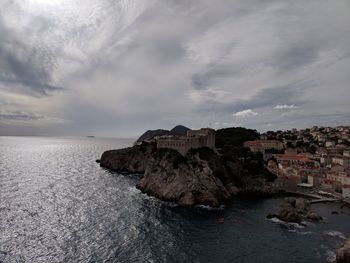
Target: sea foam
x=333, y=233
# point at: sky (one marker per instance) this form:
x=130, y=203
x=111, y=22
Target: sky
x=119, y=67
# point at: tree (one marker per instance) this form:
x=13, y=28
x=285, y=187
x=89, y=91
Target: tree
x=234, y=136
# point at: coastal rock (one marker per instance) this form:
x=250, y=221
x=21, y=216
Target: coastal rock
x=288, y=212
x=292, y=209
x=312, y=215
x=302, y=205
x=270, y=216
x=201, y=177
x=129, y=160
x=343, y=253
x=190, y=182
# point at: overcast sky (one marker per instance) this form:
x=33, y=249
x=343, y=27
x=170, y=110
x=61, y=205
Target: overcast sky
x=117, y=68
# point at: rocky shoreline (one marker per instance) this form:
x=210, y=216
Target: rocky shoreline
x=343, y=253
x=201, y=177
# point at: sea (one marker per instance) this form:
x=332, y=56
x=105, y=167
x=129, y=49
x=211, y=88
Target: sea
x=58, y=205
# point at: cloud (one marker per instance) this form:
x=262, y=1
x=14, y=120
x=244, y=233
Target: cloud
x=18, y=116
x=245, y=113
x=285, y=107
x=120, y=67
x=24, y=68
x=22, y=117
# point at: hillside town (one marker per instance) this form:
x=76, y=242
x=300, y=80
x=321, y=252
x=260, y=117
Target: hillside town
x=316, y=160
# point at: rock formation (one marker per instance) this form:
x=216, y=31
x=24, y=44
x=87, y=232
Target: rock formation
x=293, y=209
x=312, y=215
x=289, y=212
x=199, y=178
x=185, y=181
x=129, y=160
x=343, y=253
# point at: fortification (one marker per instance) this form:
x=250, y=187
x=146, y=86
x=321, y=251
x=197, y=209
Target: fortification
x=204, y=137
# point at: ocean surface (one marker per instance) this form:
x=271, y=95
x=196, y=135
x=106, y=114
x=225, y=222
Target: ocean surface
x=58, y=205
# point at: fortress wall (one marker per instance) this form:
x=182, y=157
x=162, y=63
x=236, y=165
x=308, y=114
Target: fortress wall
x=194, y=139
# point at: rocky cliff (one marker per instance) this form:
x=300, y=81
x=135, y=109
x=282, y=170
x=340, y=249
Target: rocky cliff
x=129, y=160
x=187, y=181
x=202, y=177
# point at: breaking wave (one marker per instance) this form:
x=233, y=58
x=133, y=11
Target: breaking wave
x=333, y=233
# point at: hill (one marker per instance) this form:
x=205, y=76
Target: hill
x=150, y=134
x=179, y=130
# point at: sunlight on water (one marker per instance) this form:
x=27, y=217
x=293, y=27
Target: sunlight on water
x=58, y=205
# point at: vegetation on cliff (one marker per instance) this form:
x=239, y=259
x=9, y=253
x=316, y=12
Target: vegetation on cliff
x=229, y=143
x=150, y=134
x=203, y=176
x=234, y=137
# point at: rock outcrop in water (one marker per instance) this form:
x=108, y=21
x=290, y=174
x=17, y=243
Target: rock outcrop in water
x=169, y=176
x=293, y=209
x=202, y=177
x=343, y=253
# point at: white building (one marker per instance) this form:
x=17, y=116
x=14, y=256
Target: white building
x=346, y=187
x=330, y=144
x=341, y=160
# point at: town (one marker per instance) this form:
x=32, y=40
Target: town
x=315, y=160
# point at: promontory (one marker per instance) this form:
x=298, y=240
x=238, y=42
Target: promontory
x=200, y=167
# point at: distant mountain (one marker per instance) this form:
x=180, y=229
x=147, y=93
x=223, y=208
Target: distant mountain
x=180, y=130
x=150, y=134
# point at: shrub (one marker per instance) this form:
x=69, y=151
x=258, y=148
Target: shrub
x=234, y=136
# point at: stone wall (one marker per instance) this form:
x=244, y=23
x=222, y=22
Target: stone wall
x=179, y=144
x=194, y=139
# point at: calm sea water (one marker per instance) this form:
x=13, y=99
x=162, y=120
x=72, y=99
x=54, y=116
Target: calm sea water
x=58, y=205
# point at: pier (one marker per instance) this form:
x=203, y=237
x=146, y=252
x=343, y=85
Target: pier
x=325, y=200
x=317, y=198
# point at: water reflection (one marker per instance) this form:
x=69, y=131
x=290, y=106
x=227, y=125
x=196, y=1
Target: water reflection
x=58, y=205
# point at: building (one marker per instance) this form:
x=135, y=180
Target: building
x=206, y=133
x=321, y=137
x=204, y=137
x=262, y=145
x=346, y=191
x=314, y=180
x=346, y=184
x=341, y=160
x=293, y=158
x=330, y=144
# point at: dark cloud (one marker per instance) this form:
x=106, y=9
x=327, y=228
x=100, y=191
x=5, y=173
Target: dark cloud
x=24, y=69
x=295, y=56
x=288, y=94
x=214, y=74
x=292, y=93
x=131, y=65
